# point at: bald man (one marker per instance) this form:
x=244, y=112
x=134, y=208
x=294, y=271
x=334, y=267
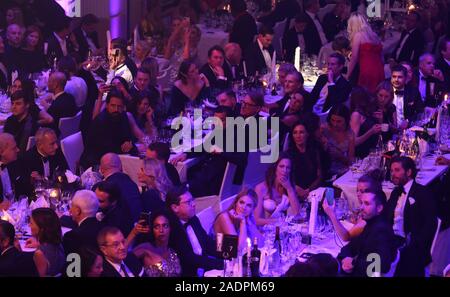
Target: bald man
x=430, y=81
x=13, y=53
x=12, y=181
x=61, y=104
x=111, y=169
x=233, y=60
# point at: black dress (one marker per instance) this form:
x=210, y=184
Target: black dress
x=362, y=150
x=305, y=166
x=33, y=61
x=179, y=99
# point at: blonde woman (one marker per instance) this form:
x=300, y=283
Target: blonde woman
x=366, y=52
x=154, y=176
x=238, y=219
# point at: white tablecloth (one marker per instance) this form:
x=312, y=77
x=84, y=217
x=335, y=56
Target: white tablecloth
x=210, y=37
x=3, y=117
x=428, y=173
x=64, y=230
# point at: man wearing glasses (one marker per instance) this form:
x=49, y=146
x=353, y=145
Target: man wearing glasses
x=118, y=262
x=196, y=250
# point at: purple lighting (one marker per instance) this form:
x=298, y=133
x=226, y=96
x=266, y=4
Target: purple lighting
x=117, y=9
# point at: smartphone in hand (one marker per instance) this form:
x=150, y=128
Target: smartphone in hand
x=144, y=218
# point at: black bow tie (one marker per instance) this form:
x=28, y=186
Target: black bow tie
x=44, y=159
x=2, y=166
x=400, y=190
x=399, y=93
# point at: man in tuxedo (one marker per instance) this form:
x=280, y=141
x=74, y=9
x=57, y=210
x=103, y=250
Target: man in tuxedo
x=83, y=210
x=295, y=37
x=376, y=238
x=443, y=63
x=228, y=99
x=141, y=83
x=194, y=247
x=336, y=21
x=314, y=32
x=12, y=179
x=120, y=64
x=58, y=43
x=86, y=36
x=110, y=131
x=411, y=212
x=161, y=151
x=13, y=262
x=233, y=60
x=218, y=75
x=429, y=81
x=111, y=169
x=293, y=83
x=406, y=98
x=244, y=27
x=45, y=159
x=259, y=55
x=412, y=41
x=284, y=9
x=21, y=124
x=118, y=262
x=331, y=89
x=62, y=104
x=75, y=85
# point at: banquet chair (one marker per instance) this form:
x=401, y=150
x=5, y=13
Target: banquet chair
x=278, y=30
x=224, y=204
x=31, y=142
x=207, y=218
x=69, y=126
x=72, y=147
x=433, y=245
x=391, y=271
x=131, y=166
x=286, y=143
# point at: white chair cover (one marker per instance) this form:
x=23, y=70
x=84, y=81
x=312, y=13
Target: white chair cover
x=72, y=147
x=69, y=126
x=131, y=166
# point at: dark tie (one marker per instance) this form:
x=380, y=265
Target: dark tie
x=122, y=267
x=44, y=159
x=397, y=192
x=399, y=92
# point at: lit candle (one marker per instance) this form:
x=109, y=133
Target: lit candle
x=249, y=248
x=446, y=98
x=45, y=48
x=274, y=62
x=245, y=68
x=108, y=41
x=297, y=59
x=135, y=40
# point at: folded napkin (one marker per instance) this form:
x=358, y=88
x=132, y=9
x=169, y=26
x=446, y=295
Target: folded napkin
x=71, y=178
x=266, y=253
x=40, y=202
x=213, y=273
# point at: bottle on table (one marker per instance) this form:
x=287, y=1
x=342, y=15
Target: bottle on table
x=255, y=258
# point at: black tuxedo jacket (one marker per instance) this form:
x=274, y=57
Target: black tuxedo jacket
x=290, y=43
x=286, y=9
x=255, y=60
x=312, y=37
x=442, y=65
x=20, y=181
x=439, y=86
x=83, y=235
x=238, y=70
x=64, y=106
x=337, y=93
x=83, y=44
x=412, y=49
x=332, y=25
x=132, y=263
x=151, y=201
x=14, y=263
x=377, y=237
x=412, y=103
x=129, y=191
x=32, y=161
x=420, y=223
x=54, y=49
x=214, y=82
x=189, y=261
x=118, y=216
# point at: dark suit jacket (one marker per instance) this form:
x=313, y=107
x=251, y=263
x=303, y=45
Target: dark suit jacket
x=151, y=201
x=64, y=106
x=238, y=70
x=255, y=60
x=312, y=36
x=20, y=182
x=14, y=263
x=214, y=82
x=412, y=103
x=172, y=174
x=431, y=100
x=332, y=25
x=412, y=49
x=420, y=223
x=337, y=94
x=243, y=31
x=286, y=9
x=83, y=235
x=32, y=161
x=445, y=68
x=189, y=261
x=130, y=196
x=83, y=50
x=377, y=237
x=290, y=43
x=54, y=49
x=118, y=216
x=132, y=263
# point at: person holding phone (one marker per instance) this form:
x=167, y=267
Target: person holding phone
x=159, y=259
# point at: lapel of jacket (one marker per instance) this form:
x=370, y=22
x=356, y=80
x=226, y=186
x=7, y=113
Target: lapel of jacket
x=407, y=214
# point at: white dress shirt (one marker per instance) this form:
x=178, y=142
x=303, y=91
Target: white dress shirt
x=196, y=247
x=266, y=56
x=398, y=102
x=77, y=87
x=121, y=71
x=422, y=86
x=62, y=43
x=319, y=28
x=318, y=107
x=399, y=212
x=6, y=181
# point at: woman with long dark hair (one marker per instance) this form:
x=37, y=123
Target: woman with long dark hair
x=276, y=194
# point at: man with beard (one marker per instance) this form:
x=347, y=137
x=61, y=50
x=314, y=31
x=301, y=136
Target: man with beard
x=110, y=132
